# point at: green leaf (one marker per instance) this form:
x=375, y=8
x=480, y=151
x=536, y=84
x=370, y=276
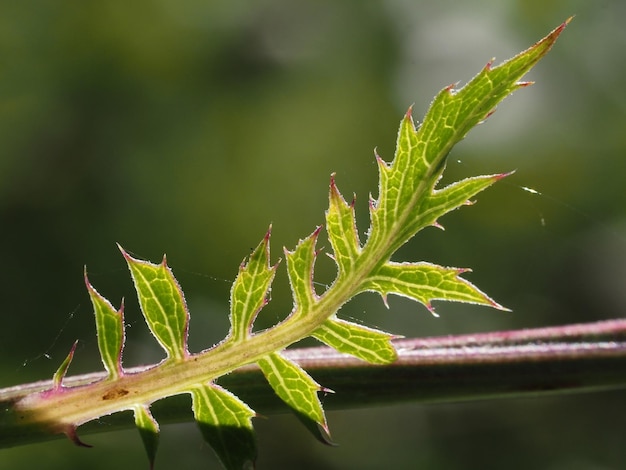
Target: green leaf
x=249, y=293
x=162, y=304
x=226, y=424
x=406, y=184
x=294, y=386
x=425, y=282
x=300, y=263
x=148, y=430
x=371, y=345
x=59, y=375
x=110, y=331
x=342, y=231
x=442, y=201
x=408, y=201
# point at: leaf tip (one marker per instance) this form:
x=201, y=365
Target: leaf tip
x=408, y=117
x=497, y=306
x=59, y=375
x=122, y=250
x=431, y=309
x=554, y=34
x=409, y=113
x=317, y=231
x=335, y=194
x=383, y=166
x=268, y=234
x=503, y=175
x=90, y=287
x=566, y=22
x=127, y=257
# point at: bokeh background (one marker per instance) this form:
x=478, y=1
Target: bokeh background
x=188, y=127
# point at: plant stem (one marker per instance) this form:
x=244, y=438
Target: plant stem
x=572, y=358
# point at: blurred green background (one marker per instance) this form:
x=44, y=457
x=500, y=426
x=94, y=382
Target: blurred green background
x=188, y=127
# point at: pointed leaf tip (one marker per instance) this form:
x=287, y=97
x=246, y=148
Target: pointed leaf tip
x=431, y=309
x=408, y=116
x=497, y=306
x=268, y=234
x=59, y=375
x=317, y=231
x=566, y=22
x=122, y=250
x=409, y=112
x=504, y=175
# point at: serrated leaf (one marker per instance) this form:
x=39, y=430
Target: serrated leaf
x=407, y=202
x=148, y=430
x=406, y=183
x=294, y=386
x=226, y=424
x=162, y=304
x=300, y=263
x=109, y=330
x=442, y=201
x=425, y=282
x=342, y=231
x=249, y=293
x=371, y=345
